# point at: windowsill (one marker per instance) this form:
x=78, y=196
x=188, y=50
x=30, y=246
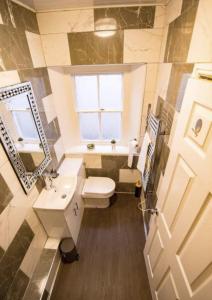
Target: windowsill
x=99, y=149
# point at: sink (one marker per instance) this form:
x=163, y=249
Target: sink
x=59, y=198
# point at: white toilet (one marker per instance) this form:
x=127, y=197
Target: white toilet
x=97, y=192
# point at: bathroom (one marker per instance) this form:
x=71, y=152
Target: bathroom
x=105, y=143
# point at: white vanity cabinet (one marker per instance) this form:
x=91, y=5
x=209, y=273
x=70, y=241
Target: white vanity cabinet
x=74, y=212
x=61, y=212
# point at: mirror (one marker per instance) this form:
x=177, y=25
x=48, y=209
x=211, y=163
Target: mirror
x=22, y=134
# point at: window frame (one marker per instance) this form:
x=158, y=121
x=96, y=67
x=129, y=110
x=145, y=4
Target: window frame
x=100, y=110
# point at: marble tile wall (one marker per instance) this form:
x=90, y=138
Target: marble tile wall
x=114, y=167
x=88, y=49
x=137, y=38
x=184, y=25
x=128, y=17
x=22, y=237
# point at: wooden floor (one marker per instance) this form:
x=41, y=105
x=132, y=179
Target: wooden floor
x=111, y=265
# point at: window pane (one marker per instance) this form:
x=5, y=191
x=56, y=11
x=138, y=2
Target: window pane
x=110, y=91
x=89, y=126
x=111, y=125
x=86, y=92
x=26, y=125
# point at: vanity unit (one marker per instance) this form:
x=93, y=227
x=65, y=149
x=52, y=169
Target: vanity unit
x=61, y=209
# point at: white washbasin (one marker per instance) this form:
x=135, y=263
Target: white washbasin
x=60, y=198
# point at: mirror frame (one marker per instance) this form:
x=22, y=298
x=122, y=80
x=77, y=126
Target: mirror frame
x=26, y=179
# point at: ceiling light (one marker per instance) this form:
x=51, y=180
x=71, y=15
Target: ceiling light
x=105, y=27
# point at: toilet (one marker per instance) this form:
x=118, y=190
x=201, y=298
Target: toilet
x=97, y=192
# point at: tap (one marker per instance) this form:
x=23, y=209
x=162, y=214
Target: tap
x=48, y=179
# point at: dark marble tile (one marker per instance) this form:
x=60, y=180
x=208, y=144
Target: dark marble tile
x=18, y=286
x=135, y=161
x=114, y=162
x=164, y=157
x=28, y=161
x=52, y=131
x=187, y=4
x=1, y=252
x=5, y=12
x=177, y=83
x=54, y=162
x=179, y=36
x=125, y=187
x=161, y=158
x=24, y=18
x=40, y=184
x=13, y=257
x=5, y=194
x=87, y=49
x=134, y=17
x=166, y=115
x=45, y=295
x=36, y=288
x=40, y=81
x=14, y=49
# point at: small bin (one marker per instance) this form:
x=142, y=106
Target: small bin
x=68, y=250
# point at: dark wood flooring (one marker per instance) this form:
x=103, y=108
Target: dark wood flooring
x=111, y=264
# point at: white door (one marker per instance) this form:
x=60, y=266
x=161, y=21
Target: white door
x=178, y=250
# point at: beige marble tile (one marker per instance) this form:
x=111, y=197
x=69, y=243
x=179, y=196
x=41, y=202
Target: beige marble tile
x=160, y=16
x=3, y=156
x=36, y=50
x=14, y=214
x=200, y=49
x=151, y=77
x=9, y=78
x=28, y=264
x=48, y=103
x=59, y=149
x=126, y=175
x=93, y=161
x=66, y=21
x=56, y=49
x=52, y=243
x=142, y=45
x=163, y=43
x=1, y=20
x=163, y=80
x=173, y=10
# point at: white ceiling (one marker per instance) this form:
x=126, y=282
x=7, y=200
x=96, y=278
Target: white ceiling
x=41, y=5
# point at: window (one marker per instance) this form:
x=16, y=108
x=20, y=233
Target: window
x=99, y=105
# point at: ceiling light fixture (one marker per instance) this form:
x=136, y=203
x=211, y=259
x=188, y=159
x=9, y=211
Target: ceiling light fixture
x=105, y=27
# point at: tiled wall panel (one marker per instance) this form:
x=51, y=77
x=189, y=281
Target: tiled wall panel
x=22, y=237
x=116, y=168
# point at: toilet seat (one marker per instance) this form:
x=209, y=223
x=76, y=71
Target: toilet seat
x=98, y=187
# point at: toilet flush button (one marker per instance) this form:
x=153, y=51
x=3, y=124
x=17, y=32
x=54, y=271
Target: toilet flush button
x=63, y=196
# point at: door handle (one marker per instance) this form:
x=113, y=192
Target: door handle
x=75, y=212
x=77, y=205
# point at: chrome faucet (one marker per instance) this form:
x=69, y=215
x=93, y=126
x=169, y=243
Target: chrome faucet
x=48, y=179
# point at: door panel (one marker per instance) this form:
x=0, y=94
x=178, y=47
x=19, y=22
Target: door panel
x=178, y=250
x=167, y=287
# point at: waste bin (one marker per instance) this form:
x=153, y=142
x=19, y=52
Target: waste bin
x=68, y=250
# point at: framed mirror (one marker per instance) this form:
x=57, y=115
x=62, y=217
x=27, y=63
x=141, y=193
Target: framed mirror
x=22, y=133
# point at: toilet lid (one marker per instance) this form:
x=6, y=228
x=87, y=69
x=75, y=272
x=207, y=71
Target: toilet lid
x=98, y=185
